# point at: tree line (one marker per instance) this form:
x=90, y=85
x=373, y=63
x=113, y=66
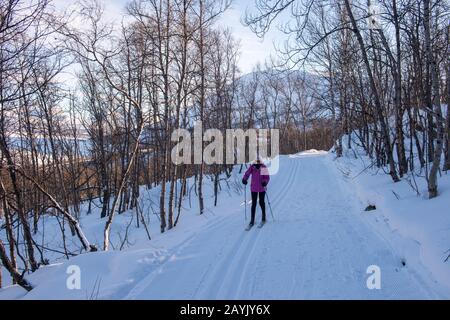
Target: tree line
x=87, y=108
x=385, y=66
x=68, y=147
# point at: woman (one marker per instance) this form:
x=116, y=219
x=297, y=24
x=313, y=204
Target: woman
x=260, y=179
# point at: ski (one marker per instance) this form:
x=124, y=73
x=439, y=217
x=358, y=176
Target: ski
x=248, y=227
x=261, y=224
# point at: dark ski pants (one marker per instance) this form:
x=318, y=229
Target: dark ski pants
x=262, y=204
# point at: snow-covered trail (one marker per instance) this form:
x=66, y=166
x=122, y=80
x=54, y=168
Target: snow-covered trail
x=318, y=248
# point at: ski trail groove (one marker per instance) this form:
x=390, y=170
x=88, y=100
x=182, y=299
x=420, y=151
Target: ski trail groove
x=280, y=196
x=247, y=254
x=317, y=248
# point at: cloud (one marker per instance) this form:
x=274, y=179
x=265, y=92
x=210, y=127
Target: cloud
x=253, y=50
x=113, y=9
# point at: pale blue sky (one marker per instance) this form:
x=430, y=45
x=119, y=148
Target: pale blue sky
x=253, y=50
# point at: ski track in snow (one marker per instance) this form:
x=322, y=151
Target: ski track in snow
x=318, y=247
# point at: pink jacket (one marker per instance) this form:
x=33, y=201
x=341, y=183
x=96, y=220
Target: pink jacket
x=259, y=176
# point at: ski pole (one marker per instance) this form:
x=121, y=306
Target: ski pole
x=270, y=206
x=245, y=202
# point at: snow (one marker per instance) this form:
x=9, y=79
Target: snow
x=319, y=246
x=417, y=227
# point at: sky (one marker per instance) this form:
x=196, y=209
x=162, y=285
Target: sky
x=253, y=50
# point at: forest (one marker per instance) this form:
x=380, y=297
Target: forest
x=87, y=106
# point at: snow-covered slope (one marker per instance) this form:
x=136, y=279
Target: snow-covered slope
x=319, y=246
x=417, y=227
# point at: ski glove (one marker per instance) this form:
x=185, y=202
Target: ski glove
x=264, y=183
x=244, y=181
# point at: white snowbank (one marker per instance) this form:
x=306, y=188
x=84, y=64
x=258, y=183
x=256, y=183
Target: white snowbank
x=311, y=152
x=319, y=246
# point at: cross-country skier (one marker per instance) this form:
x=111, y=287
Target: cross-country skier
x=260, y=179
